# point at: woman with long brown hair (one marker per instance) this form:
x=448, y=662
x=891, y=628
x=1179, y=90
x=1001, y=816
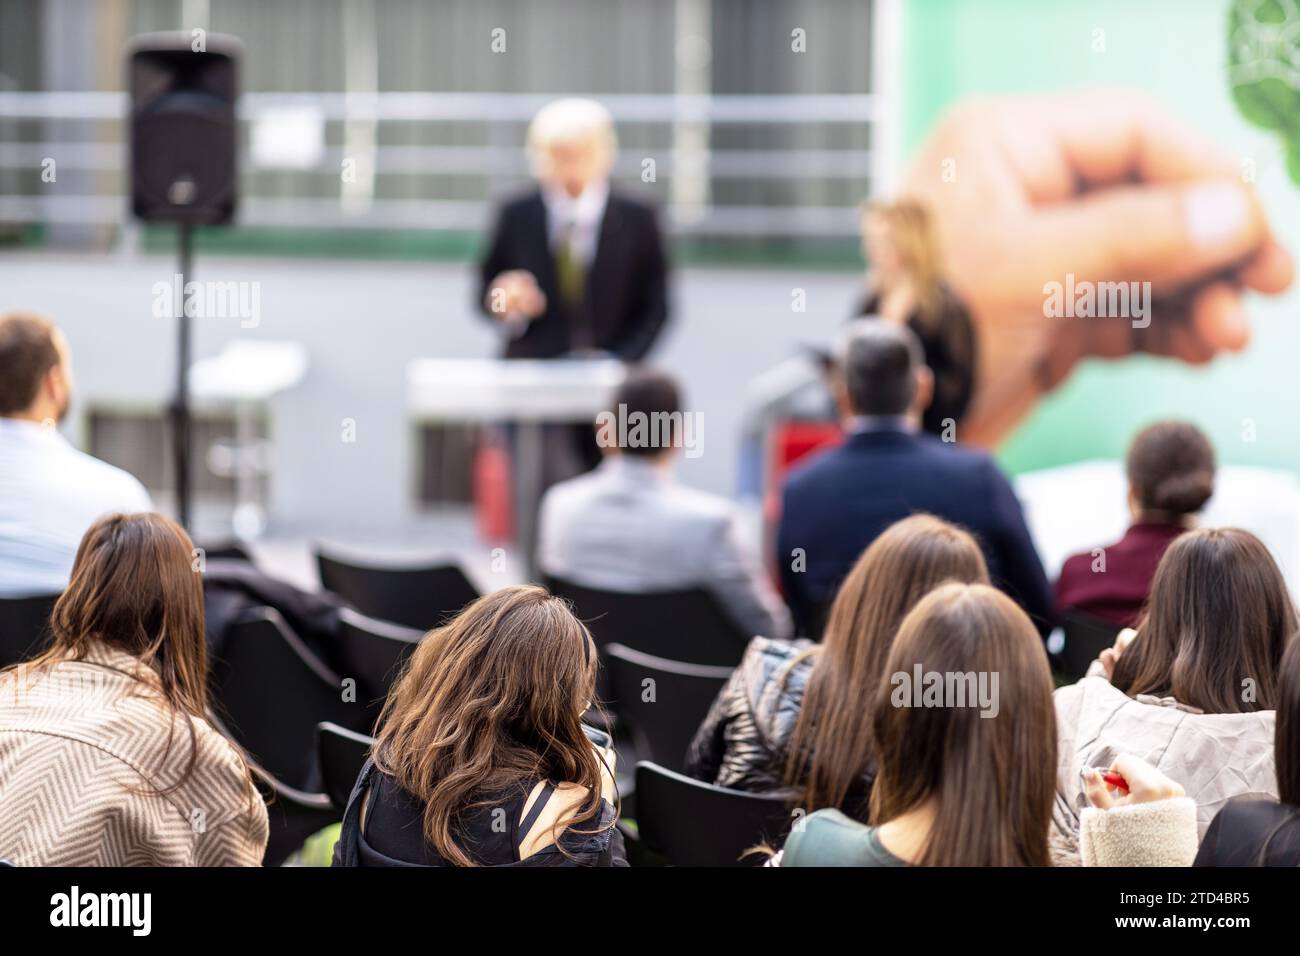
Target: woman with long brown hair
x=906, y=286
x=1195, y=689
x=481, y=757
x=966, y=746
x=790, y=717
x=113, y=718
x=1219, y=614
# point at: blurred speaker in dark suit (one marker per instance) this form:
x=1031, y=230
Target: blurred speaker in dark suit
x=574, y=267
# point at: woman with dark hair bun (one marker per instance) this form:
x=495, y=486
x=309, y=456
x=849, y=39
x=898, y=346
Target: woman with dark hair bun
x=1170, y=470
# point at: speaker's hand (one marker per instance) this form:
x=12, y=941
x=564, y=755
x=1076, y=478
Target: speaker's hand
x=515, y=295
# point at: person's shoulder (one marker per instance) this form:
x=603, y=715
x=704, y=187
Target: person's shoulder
x=829, y=838
x=221, y=776
x=767, y=658
x=1251, y=812
x=1088, y=695
x=971, y=467
x=776, y=673
x=567, y=801
x=773, y=651
x=128, y=719
x=1251, y=831
x=632, y=206
x=521, y=201
x=1076, y=565
x=950, y=299
x=1092, y=687
x=116, y=488
x=573, y=491
x=820, y=465
x=701, y=506
x=955, y=455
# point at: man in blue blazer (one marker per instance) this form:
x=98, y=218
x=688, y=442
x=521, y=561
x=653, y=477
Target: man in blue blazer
x=836, y=504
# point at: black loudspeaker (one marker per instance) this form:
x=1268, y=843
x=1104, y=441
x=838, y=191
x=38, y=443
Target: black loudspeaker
x=184, y=136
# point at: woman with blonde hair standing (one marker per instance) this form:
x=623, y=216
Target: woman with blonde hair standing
x=905, y=285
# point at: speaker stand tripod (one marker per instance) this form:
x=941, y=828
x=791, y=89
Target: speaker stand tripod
x=180, y=411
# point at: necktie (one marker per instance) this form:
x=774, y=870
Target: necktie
x=570, y=270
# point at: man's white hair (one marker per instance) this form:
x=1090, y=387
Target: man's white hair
x=572, y=121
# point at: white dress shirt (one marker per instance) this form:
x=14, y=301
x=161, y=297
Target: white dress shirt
x=573, y=220
x=50, y=493
x=577, y=219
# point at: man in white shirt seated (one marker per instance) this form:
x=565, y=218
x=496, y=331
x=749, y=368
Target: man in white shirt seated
x=50, y=492
x=630, y=526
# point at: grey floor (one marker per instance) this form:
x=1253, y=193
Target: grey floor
x=360, y=323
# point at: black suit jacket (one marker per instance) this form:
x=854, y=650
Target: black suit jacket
x=834, y=506
x=626, y=303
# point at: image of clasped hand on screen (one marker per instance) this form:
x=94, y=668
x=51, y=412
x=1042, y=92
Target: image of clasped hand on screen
x=1041, y=201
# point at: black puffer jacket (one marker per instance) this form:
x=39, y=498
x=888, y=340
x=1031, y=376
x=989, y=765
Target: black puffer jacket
x=742, y=742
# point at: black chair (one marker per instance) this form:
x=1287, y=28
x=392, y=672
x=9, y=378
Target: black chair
x=1085, y=638
x=373, y=652
x=342, y=754
x=225, y=550
x=292, y=815
x=690, y=823
x=686, y=626
x=419, y=596
x=663, y=726
x=24, y=626
x=271, y=692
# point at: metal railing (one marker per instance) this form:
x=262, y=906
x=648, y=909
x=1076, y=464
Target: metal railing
x=97, y=159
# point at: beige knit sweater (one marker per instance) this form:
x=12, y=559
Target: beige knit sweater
x=83, y=754
x=1160, y=833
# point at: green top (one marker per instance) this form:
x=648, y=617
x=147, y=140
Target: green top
x=829, y=838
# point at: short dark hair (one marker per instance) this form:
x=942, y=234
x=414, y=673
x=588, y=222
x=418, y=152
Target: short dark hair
x=1171, y=468
x=879, y=362
x=27, y=353
x=652, y=393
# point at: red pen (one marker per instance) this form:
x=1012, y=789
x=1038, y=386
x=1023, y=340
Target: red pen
x=1114, y=779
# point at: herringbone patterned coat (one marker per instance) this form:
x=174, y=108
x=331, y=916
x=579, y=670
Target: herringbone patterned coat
x=83, y=754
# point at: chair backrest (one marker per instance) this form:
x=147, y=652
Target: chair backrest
x=24, y=626
x=686, y=626
x=665, y=713
x=342, y=754
x=421, y=596
x=1085, y=638
x=292, y=815
x=690, y=823
x=373, y=651
x=271, y=692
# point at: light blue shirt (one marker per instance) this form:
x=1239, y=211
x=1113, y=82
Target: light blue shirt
x=50, y=493
x=629, y=526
